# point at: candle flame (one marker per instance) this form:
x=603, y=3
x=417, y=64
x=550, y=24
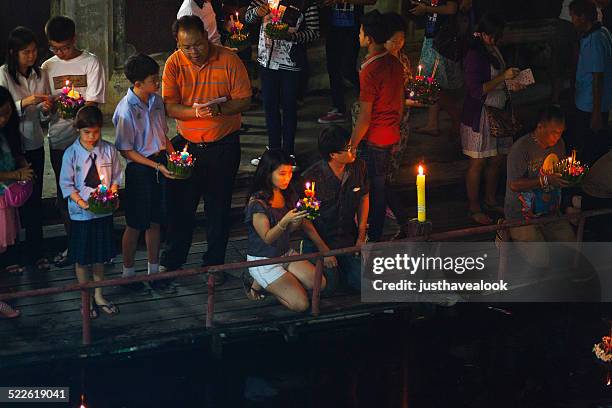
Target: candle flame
x=102, y=178
x=67, y=82
x=420, y=170
x=308, y=185
x=185, y=149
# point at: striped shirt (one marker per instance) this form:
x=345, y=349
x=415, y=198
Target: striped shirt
x=223, y=74
x=282, y=54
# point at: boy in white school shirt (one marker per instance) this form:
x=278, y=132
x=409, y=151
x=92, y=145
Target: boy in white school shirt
x=86, y=73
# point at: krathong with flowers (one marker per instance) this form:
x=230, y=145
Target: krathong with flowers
x=239, y=37
x=309, y=203
x=180, y=164
x=603, y=349
x=102, y=200
x=276, y=29
x=422, y=89
x=69, y=102
x=571, y=170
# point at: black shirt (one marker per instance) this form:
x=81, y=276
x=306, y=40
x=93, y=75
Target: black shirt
x=340, y=200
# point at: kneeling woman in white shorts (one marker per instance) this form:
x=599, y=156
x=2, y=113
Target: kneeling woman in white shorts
x=270, y=219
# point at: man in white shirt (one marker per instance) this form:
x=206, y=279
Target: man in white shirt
x=204, y=10
x=86, y=73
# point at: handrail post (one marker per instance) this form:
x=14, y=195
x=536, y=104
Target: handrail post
x=85, y=300
x=316, y=288
x=210, y=309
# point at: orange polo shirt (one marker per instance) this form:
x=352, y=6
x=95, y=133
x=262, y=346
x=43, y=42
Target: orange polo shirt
x=223, y=74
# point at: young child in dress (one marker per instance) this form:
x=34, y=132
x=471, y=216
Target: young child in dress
x=270, y=219
x=87, y=163
x=13, y=168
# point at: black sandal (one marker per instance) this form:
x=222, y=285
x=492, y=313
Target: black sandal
x=247, y=285
x=93, y=311
x=108, y=308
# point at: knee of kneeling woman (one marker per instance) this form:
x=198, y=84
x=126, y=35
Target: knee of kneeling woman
x=300, y=304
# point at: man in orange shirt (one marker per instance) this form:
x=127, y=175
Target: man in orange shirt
x=205, y=88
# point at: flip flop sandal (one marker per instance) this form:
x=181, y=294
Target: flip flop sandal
x=109, y=308
x=247, y=285
x=43, y=264
x=7, y=312
x=93, y=311
x=14, y=269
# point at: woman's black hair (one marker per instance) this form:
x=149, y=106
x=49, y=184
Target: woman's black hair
x=88, y=116
x=395, y=22
x=492, y=24
x=11, y=129
x=18, y=40
x=262, y=187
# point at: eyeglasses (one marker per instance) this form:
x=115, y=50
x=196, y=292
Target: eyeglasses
x=63, y=48
x=195, y=47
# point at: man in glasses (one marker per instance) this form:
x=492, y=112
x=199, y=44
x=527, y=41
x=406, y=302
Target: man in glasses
x=73, y=67
x=342, y=188
x=205, y=88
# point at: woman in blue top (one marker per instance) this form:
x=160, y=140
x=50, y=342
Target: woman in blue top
x=270, y=219
x=13, y=167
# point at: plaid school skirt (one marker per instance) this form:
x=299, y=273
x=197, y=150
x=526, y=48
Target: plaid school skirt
x=91, y=241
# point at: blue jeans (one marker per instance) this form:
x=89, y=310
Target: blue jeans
x=348, y=270
x=378, y=163
x=280, y=89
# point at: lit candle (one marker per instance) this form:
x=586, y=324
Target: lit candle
x=66, y=89
x=308, y=192
x=184, y=154
x=420, y=69
x=420, y=182
x=313, y=186
x=102, y=187
x=573, y=155
x=237, y=19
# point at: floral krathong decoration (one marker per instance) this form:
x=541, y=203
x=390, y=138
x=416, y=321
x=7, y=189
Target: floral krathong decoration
x=102, y=200
x=180, y=164
x=309, y=203
x=276, y=29
x=422, y=89
x=239, y=37
x=571, y=170
x=603, y=349
x=69, y=102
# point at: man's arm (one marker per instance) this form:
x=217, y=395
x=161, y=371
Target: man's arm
x=180, y=111
x=234, y=106
x=312, y=234
x=598, y=82
x=363, y=123
x=362, y=218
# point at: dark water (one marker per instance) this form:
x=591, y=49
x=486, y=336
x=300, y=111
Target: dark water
x=466, y=356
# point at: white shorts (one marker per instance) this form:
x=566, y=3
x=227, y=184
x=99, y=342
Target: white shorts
x=267, y=274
